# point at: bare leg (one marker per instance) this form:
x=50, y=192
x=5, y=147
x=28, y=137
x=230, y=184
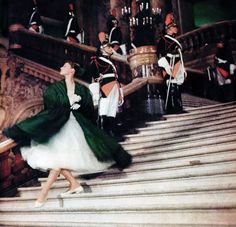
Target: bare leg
x=73, y=182
x=53, y=174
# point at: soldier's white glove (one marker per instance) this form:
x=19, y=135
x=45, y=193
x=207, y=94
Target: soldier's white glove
x=232, y=68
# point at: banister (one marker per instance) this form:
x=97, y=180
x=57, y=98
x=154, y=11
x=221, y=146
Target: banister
x=195, y=71
x=6, y=145
x=208, y=34
x=197, y=38
x=207, y=26
x=61, y=48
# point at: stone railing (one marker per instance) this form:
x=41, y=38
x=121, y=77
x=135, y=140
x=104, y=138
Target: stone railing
x=49, y=51
x=208, y=34
x=42, y=55
x=20, y=97
x=199, y=45
x=13, y=170
x=37, y=70
x=52, y=52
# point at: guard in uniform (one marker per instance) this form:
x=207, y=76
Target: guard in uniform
x=102, y=37
x=35, y=23
x=73, y=32
x=104, y=71
x=114, y=32
x=224, y=71
x=171, y=61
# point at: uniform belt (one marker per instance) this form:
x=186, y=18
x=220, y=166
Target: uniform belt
x=173, y=55
x=108, y=75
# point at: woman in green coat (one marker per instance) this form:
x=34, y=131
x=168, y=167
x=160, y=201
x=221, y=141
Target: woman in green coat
x=61, y=138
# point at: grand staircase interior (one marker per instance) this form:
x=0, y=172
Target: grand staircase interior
x=183, y=174
x=184, y=167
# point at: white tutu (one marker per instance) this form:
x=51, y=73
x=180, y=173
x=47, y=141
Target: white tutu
x=67, y=149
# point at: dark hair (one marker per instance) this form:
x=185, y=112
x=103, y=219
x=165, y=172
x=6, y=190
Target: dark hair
x=76, y=66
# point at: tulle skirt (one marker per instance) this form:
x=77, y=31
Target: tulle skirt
x=67, y=149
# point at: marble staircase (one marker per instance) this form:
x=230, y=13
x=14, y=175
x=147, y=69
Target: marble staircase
x=183, y=174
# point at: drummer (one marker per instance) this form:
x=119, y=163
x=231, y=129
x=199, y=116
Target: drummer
x=104, y=71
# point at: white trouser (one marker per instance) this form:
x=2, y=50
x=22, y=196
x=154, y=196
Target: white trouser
x=108, y=106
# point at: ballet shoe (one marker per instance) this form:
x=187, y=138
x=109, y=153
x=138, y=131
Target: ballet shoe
x=38, y=204
x=79, y=189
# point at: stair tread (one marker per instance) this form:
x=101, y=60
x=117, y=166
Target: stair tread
x=184, y=168
x=221, y=194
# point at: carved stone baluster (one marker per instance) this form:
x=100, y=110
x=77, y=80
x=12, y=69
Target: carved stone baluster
x=12, y=66
x=13, y=36
x=196, y=41
x=19, y=170
x=5, y=170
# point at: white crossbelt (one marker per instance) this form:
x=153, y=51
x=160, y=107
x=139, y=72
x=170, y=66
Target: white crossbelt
x=172, y=55
x=108, y=75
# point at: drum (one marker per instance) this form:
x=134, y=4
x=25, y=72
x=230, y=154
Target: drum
x=143, y=62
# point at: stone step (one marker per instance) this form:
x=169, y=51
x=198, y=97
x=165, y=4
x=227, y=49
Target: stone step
x=148, y=175
x=185, y=146
x=187, y=122
x=193, y=114
x=139, y=218
x=210, y=107
x=190, y=101
x=191, y=121
x=207, y=108
x=207, y=137
x=173, y=154
x=83, y=224
x=183, y=177
x=176, y=155
x=192, y=184
x=220, y=199
x=180, y=131
x=165, y=154
x=184, y=161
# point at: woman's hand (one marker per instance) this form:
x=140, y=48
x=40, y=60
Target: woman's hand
x=75, y=106
x=74, y=99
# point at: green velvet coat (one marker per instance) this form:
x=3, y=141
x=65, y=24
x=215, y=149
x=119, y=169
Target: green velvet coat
x=55, y=114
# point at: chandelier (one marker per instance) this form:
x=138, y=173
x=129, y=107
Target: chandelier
x=146, y=14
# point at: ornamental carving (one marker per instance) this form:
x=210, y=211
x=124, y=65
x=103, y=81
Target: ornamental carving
x=20, y=98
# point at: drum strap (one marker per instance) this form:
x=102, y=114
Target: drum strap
x=175, y=40
x=110, y=63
